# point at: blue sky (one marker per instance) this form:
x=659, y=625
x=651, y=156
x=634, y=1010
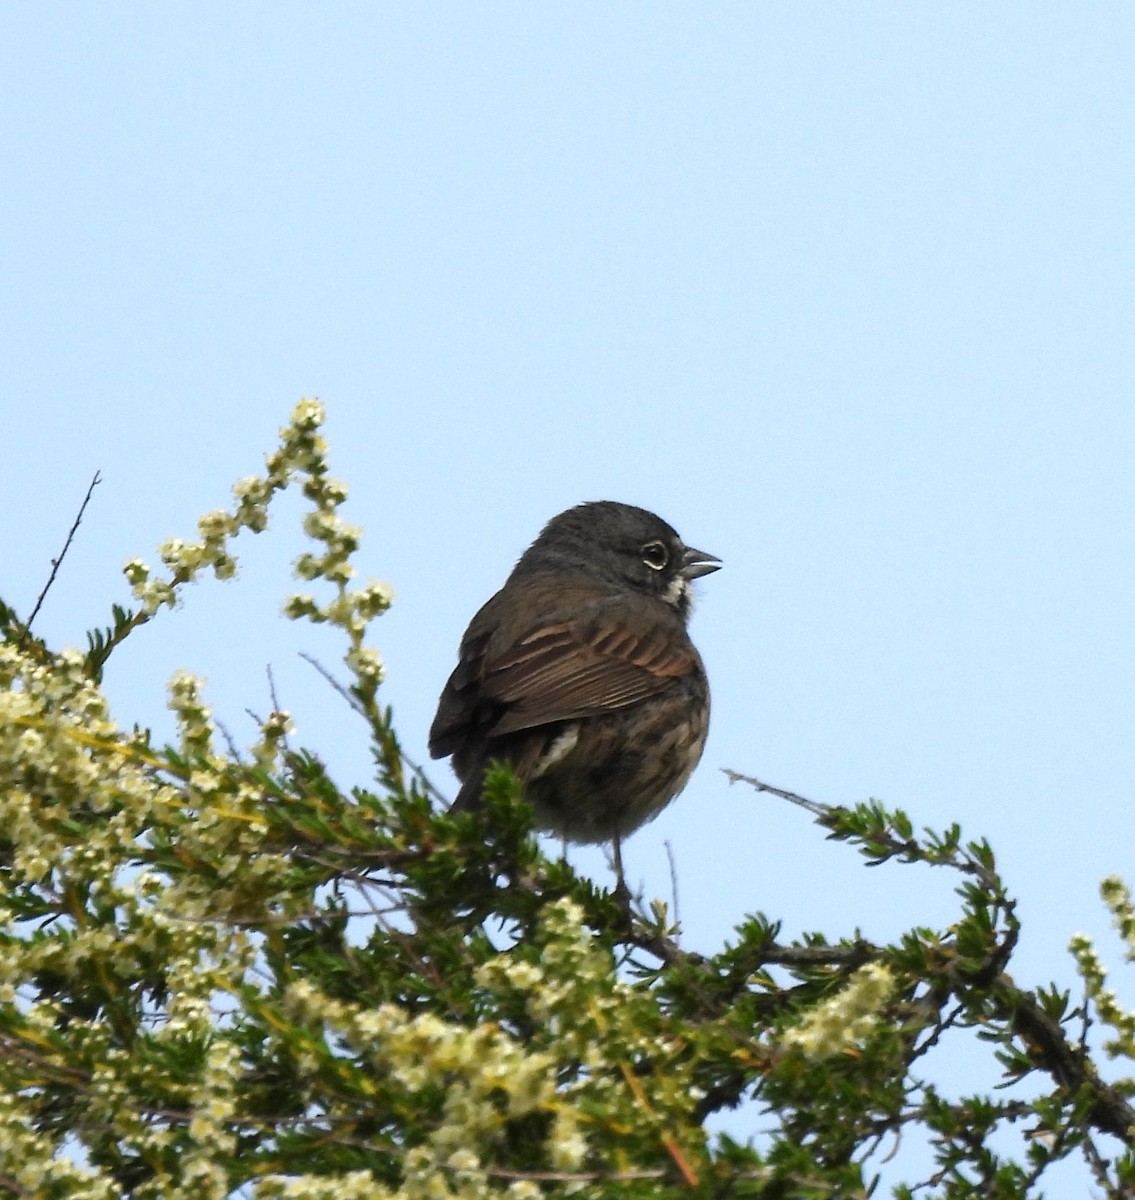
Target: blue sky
x=844, y=292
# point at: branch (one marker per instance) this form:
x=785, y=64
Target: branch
x=56, y=563
x=816, y=809
x=1068, y=1065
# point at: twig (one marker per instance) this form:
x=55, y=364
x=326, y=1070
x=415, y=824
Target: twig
x=56, y=563
x=276, y=707
x=417, y=769
x=817, y=810
x=329, y=678
x=673, y=884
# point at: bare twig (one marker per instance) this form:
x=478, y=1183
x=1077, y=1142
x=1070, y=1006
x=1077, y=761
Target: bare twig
x=343, y=691
x=272, y=692
x=673, y=884
x=417, y=769
x=817, y=810
x=56, y=563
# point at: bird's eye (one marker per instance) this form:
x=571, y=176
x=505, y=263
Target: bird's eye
x=655, y=555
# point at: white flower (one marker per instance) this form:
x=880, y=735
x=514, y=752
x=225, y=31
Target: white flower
x=845, y=1019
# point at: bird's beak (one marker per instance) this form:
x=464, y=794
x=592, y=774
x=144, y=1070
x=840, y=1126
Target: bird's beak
x=696, y=563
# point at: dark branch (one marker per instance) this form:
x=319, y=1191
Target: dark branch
x=56, y=563
x=1068, y=1065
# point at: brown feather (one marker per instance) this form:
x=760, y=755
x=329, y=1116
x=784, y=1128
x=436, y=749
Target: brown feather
x=592, y=651
x=610, y=652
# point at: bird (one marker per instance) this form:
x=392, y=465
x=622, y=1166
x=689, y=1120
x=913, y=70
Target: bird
x=581, y=676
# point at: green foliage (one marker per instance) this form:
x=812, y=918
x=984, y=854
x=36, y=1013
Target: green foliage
x=228, y=974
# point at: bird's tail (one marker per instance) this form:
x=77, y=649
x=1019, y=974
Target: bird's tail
x=469, y=798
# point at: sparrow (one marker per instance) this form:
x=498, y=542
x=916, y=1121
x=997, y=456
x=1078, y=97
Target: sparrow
x=580, y=674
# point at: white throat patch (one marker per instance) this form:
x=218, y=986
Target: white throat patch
x=678, y=592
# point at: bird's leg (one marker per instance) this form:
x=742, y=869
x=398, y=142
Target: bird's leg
x=622, y=892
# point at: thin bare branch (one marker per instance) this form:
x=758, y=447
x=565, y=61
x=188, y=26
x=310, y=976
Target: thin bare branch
x=56, y=563
x=817, y=810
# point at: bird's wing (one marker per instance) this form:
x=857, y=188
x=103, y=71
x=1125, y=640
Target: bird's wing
x=460, y=711
x=604, y=654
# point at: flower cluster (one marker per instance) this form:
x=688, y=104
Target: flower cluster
x=300, y=449
x=1110, y=1012
x=194, y=717
x=302, y=453
x=591, y=1017
x=82, y=805
x=60, y=751
x=487, y=1077
x=31, y=1168
x=846, y=1019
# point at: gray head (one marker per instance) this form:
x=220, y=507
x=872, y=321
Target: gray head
x=622, y=545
